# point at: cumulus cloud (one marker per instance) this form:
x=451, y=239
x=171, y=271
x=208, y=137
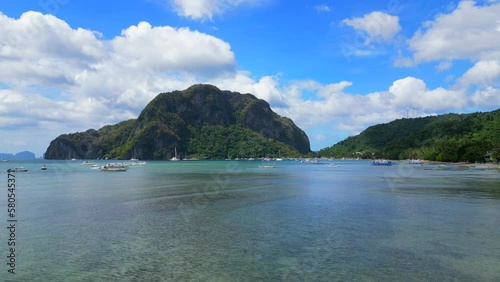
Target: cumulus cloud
x=40, y=48
x=167, y=49
x=483, y=73
x=469, y=32
x=488, y=98
x=412, y=92
x=377, y=26
x=206, y=9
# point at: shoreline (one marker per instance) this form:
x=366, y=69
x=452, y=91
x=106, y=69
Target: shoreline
x=470, y=165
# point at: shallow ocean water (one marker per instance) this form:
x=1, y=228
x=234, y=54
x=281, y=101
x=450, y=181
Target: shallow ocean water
x=235, y=221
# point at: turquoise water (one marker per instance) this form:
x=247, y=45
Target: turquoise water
x=234, y=221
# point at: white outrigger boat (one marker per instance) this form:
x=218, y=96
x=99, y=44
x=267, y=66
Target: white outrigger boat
x=17, y=169
x=114, y=167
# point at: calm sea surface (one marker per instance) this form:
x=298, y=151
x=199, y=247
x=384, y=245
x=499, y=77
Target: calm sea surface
x=235, y=221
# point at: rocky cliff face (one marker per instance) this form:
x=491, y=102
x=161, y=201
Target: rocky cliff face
x=187, y=120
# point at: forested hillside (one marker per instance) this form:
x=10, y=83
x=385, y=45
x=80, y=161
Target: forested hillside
x=199, y=122
x=449, y=138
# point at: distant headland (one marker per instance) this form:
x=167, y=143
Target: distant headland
x=20, y=155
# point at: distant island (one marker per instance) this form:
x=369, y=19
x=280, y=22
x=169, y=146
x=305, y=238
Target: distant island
x=201, y=122
x=448, y=138
x=20, y=155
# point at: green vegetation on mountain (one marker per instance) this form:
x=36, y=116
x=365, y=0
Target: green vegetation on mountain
x=201, y=122
x=448, y=138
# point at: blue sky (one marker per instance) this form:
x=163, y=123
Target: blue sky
x=334, y=67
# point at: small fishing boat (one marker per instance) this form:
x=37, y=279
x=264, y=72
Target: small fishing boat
x=44, y=167
x=17, y=169
x=268, y=166
x=114, y=167
x=414, y=162
x=381, y=162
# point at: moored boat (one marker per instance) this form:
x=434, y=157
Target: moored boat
x=417, y=162
x=114, y=167
x=381, y=162
x=268, y=166
x=134, y=162
x=17, y=169
x=175, y=158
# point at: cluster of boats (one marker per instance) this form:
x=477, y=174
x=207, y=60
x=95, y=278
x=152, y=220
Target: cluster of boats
x=389, y=163
x=107, y=167
x=114, y=166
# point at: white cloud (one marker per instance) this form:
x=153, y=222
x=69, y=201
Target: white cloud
x=402, y=61
x=469, y=32
x=134, y=67
x=378, y=26
x=488, y=98
x=412, y=92
x=322, y=8
x=206, y=9
x=169, y=49
x=483, y=73
x=445, y=65
x=43, y=49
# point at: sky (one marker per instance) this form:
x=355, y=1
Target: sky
x=333, y=67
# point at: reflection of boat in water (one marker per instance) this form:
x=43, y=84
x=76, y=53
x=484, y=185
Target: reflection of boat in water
x=17, y=169
x=438, y=167
x=44, y=167
x=266, y=163
x=381, y=162
x=114, y=167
